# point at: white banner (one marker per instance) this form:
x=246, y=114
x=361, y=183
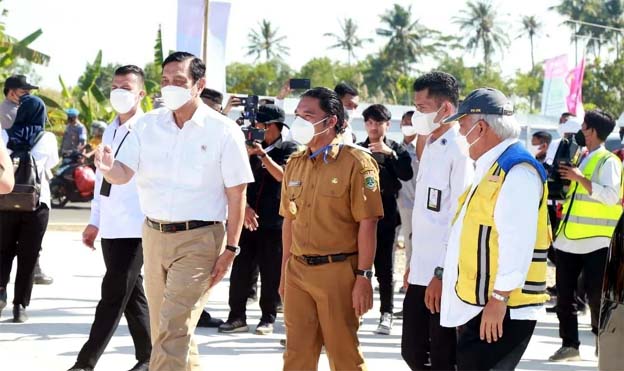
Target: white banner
x=190, y=34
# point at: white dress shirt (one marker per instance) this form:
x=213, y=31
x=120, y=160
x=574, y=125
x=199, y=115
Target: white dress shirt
x=45, y=153
x=119, y=215
x=182, y=174
x=442, y=170
x=515, y=216
x=607, y=191
x=408, y=188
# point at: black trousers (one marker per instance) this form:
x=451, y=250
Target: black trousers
x=261, y=248
x=21, y=234
x=122, y=294
x=569, y=267
x=423, y=338
x=504, y=354
x=384, y=262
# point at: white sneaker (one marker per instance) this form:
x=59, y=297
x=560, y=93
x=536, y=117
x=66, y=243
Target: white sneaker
x=385, y=324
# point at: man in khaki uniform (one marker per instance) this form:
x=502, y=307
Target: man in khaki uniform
x=330, y=204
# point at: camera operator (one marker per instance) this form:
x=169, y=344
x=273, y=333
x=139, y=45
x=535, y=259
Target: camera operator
x=590, y=213
x=261, y=239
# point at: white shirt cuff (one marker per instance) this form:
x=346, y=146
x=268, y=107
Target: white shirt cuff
x=509, y=282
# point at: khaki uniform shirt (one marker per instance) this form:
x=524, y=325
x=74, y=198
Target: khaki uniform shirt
x=327, y=196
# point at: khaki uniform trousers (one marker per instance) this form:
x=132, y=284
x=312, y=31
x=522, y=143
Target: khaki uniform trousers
x=178, y=269
x=318, y=310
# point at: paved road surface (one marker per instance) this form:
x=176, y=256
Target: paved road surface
x=71, y=217
x=61, y=315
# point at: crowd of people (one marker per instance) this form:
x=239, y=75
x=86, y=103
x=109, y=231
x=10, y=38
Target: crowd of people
x=183, y=194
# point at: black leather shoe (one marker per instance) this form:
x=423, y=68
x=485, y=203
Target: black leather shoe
x=78, y=367
x=141, y=366
x=19, y=314
x=205, y=320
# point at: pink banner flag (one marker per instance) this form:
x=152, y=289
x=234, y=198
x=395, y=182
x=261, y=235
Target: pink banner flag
x=574, y=100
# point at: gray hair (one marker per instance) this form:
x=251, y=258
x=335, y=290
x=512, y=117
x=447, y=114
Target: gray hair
x=505, y=127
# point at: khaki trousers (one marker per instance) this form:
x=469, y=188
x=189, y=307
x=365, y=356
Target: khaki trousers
x=318, y=310
x=177, y=280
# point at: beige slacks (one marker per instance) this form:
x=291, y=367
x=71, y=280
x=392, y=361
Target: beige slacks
x=177, y=280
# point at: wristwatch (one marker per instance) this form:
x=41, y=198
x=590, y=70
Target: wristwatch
x=234, y=249
x=438, y=272
x=366, y=273
x=500, y=297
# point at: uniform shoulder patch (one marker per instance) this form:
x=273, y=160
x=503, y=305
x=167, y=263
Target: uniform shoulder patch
x=370, y=180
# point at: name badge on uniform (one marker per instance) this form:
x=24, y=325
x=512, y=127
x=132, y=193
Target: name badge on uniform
x=294, y=183
x=434, y=199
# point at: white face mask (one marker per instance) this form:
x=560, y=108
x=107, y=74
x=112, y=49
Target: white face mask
x=423, y=122
x=462, y=142
x=534, y=149
x=303, y=130
x=351, y=113
x=175, y=97
x=122, y=100
x=408, y=130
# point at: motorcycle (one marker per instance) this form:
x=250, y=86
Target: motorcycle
x=74, y=181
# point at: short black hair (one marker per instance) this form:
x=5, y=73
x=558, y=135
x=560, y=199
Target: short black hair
x=439, y=85
x=212, y=95
x=197, y=68
x=131, y=68
x=329, y=103
x=343, y=89
x=377, y=112
x=566, y=115
x=543, y=136
x=600, y=121
x=408, y=113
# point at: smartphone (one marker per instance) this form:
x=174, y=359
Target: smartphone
x=300, y=84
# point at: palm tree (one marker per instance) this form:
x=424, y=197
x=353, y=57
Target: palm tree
x=482, y=29
x=266, y=41
x=600, y=12
x=407, y=38
x=348, y=40
x=531, y=27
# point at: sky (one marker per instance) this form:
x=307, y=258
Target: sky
x=125, y=30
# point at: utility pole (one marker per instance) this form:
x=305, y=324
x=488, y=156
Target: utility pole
x=205, y=38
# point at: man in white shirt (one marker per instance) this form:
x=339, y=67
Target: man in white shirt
x=116, y=215
x=590, y=213
x=495, y=267
x=192, y=171
x=444, y=173
x=405, y=201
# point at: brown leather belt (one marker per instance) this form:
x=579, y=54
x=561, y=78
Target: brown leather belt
x=324, y=259
x=177, y=227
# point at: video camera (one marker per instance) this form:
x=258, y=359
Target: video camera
x=569, y=154
x=253, y=134
x=250, y=108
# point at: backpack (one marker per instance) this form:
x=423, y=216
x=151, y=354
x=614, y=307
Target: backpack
x=27, y=189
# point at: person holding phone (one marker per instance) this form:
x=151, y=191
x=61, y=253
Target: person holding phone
x=117, y=217
x=590, y=213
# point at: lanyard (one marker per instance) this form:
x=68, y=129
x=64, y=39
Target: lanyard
x=325, y=150
x=122, y=140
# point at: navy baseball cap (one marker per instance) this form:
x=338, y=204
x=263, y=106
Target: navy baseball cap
x=484, y=101
x=270, y=113
x=18, y=82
